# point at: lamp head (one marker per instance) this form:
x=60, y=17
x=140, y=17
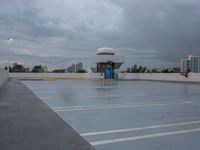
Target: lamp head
x=10, y=40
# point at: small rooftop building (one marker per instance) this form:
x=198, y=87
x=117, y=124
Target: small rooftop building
x=106, y=62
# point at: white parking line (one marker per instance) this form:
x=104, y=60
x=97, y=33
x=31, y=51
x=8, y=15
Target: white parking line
x=139, y=128
x=104, y=142
x=86, y=106
x=118, y=106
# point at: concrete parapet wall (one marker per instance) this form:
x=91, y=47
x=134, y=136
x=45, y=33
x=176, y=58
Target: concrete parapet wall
x=193, y=77
x=57, y=75
x=3, y=76
x=128, y=76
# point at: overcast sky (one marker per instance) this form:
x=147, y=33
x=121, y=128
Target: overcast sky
x=59, y=32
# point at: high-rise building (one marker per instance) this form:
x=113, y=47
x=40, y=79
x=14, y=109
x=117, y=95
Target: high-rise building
x=74, y=68
x=184, y=65
x=192, y=64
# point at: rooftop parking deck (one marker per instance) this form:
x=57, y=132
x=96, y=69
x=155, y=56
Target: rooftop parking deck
x=114, y=115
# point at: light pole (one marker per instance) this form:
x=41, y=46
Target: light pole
x=9, y=42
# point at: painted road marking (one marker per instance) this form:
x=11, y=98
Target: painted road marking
x=85, y=106
x=118, y=106
x=141, y=137
x=139, y=128
x=13, y=98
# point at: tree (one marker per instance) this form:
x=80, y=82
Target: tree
x=155, y=70
x=167, y=70
x=132, y=69
x=82, y=71
x=137, y=69
x=128, y=70
x=17, y=68
x=164, y=70
x=58, y=71
x=37, y=68
x=144, y=69
x=140, y=69
x=5, y=68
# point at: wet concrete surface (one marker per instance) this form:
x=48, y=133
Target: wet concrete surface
x=27, y=123
x=114, y=115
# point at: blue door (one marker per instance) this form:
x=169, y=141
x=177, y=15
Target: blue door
x=108, y=72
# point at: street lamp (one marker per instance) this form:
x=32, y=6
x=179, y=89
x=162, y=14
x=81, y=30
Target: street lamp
x=9, y=42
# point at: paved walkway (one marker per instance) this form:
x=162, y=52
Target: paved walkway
x=26, y=123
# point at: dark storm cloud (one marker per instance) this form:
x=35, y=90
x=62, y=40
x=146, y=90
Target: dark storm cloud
x=168, y=27
x=155, y=31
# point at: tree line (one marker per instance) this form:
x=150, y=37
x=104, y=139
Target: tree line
x=141, y=69
x=20, y=68
x=36, y=69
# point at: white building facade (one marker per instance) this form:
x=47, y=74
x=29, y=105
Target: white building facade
x=192, y=64
x=75, y=68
